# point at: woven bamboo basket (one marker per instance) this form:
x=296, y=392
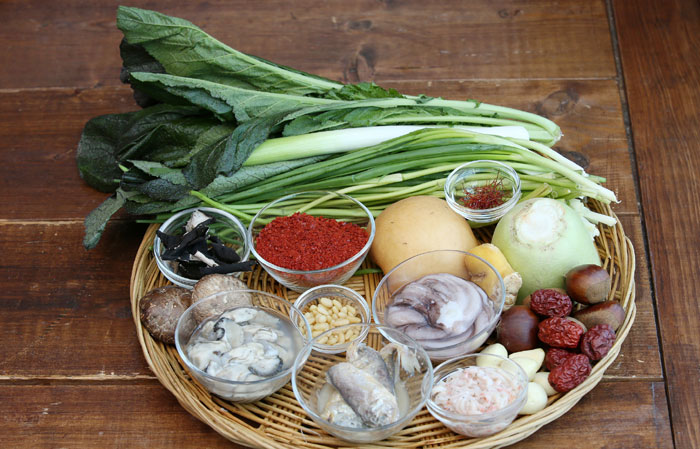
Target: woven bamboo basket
x=278, y=421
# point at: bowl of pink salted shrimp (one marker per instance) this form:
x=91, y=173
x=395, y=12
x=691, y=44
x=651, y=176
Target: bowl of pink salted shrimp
x=477, y=394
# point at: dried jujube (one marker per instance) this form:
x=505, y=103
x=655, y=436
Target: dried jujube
x=596, y=343
x=570, y=373
x=550, y=302
x=555, y=357
x=560, y=333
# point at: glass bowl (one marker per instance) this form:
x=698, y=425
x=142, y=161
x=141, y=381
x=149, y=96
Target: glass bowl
x=457, y=263
x=345, y=296
x=465, y=179
x=480, y=424
x=319, y=204
x=412, y=369
x=230, y=304
x=227, y=227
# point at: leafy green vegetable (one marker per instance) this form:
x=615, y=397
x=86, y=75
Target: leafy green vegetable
x=232, y=127
x=185, y=50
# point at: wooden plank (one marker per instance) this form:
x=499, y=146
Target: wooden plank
x=658, y=47
x=65, y=311
x=614, y=414
x=40, y=142
x=639, y=355
x=349, y=41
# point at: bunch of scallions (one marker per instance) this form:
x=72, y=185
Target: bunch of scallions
x=222, y=128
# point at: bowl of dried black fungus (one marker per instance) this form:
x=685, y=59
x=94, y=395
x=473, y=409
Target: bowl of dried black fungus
x=196, y=242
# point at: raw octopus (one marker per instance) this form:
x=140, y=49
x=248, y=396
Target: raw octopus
x=440, y=307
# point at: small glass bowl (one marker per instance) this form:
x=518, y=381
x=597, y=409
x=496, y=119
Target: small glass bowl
x=466, y=177
x=346, y=296
x=214, y=306
x=452, y=262
x=311, y=386
x=301, y=280
x=226, y=226
x=484, y=424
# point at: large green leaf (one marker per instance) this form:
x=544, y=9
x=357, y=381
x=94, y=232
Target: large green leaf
x=227, y=102
x=154, y=133
x=185, y=50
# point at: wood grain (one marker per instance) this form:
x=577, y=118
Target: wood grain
x=71, y=371
x=659, y=46
x=145, y=415
x=349, y=41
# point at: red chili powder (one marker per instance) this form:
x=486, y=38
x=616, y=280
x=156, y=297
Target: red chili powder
x=304, y=242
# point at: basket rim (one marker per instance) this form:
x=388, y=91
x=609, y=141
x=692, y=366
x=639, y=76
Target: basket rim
x=233, y=421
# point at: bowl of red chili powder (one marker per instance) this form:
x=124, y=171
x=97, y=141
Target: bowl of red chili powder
x=311, y=238
x=482, y=191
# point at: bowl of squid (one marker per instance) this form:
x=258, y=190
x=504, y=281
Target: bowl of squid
x=368, y=393
x=449, y=301
x=241, y=344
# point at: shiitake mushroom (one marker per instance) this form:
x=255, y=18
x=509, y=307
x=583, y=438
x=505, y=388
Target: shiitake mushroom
x=161, y=308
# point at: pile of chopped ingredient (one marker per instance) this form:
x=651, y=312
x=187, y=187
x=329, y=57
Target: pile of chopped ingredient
x=197, y=252
x=306, y=242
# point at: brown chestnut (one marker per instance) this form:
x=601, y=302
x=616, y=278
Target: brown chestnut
x=588, y=284
x=517, y=330
x=608, y=312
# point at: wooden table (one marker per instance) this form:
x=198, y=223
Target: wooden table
x=620, y=77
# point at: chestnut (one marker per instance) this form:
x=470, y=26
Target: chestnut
x=517, y=330
x=608, y=312
x=588, y=284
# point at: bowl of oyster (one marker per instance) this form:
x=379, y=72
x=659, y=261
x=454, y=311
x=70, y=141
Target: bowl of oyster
x=241, y=344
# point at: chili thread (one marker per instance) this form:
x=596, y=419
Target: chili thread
x=488, y=196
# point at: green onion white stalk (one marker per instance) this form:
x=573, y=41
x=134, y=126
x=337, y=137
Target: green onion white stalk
x=416, y=163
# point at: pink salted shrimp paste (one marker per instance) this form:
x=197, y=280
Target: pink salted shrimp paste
x=475, y=390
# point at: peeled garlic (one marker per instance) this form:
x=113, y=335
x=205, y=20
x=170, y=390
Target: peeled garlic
x=536, y=399
x=542, y=379
x=495, y=349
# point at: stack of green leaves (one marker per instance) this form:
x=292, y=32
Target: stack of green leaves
x=229, y=129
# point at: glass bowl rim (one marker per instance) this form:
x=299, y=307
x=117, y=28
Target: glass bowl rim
x=306, y=298
x=475, y=214
x=199, y=372
x=342, y=264
x=157, y=243
x=426, y=382
x=497, y=315
x=518, y=401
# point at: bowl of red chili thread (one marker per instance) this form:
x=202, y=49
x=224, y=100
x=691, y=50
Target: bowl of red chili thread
x=482, y=191
x=311, y=238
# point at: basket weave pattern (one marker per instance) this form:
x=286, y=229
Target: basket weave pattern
x=278, y=421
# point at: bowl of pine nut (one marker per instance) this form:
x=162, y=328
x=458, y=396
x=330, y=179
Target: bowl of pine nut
x=329, y=306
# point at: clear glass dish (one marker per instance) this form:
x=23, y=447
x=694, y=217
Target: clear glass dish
x=345, y=296
x=311, y=386
x=482, y=424
x=467, y=179
x=451, y=262
x=212, y=307
x=227, y=227
x=316, y=203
